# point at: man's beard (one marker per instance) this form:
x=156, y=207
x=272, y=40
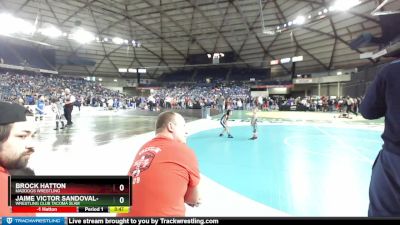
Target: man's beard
x=19, y=163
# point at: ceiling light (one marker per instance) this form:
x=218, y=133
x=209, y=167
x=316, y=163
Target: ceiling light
x=268, y=31
x=142, y=71
x=51, y=32
x=285, y=60
x=274, y=62
x=10, y=25
x=130, y=70
x=82, y=36
x=297, y=58
x=299, y=20
x=344, y=5
x=117, y=40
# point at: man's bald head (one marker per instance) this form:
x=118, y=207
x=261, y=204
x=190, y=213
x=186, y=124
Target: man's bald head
x=163, y=120
x=171, y=124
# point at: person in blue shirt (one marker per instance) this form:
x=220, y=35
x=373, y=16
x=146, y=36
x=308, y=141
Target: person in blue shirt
x=382, y=100
x=39, y=108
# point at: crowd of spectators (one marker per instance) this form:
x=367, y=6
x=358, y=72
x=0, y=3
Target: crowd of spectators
x=26, y=89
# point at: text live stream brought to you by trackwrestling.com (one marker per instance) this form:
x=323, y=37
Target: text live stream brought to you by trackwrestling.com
x=182, y=220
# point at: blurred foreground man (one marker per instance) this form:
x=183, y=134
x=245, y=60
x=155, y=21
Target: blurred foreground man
x=382, y=100
x=16, y=147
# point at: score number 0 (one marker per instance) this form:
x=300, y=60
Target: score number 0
x=121, y=188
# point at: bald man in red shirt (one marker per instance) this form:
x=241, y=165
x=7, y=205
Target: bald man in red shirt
x=165, y=172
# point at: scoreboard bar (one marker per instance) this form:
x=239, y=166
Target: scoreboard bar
x=76, y=191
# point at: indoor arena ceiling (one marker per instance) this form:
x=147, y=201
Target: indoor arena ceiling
x=170, y=30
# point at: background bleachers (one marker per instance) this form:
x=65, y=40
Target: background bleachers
x=22, y=54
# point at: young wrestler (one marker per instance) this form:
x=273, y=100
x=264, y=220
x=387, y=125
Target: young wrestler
x=224, y=123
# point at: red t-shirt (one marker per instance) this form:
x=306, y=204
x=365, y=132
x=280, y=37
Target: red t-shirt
x=4, y=208
x=162, y=171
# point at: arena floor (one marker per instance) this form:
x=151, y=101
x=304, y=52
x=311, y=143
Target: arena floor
x=303, y=164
